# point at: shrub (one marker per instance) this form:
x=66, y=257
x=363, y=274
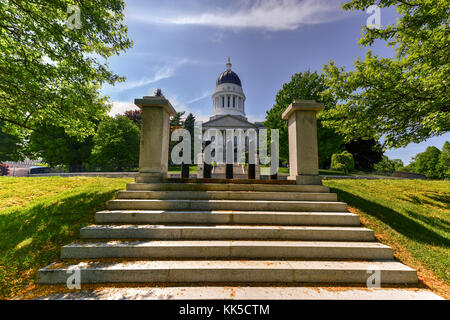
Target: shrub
x=342, y=162
x=4, y=169
x=387, y=165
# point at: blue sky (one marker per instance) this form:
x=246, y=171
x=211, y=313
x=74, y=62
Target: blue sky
x=182, y=47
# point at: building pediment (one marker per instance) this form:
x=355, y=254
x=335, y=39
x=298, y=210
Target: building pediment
x=228, y=121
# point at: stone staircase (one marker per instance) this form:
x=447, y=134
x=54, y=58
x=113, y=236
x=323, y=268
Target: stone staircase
x=233, y=233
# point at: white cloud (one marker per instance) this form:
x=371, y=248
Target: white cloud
x=180, y=107
x=161, y=73
x=272, y=15
x=204, y=95
x=119, y=107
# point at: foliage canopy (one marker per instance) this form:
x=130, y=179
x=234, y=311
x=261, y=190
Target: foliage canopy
x=406, y=98
x=52, y=74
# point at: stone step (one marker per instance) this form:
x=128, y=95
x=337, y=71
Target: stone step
x=391, y=272
x=245, y=205
x=227, y=195
x=225, y=187
x=226, y=232
x=227, y=249
x=228, y=217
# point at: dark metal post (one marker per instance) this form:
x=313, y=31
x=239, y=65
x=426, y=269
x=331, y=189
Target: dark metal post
x=229, y=171
x=207, y=168
x=184, y=171
x=251, y=171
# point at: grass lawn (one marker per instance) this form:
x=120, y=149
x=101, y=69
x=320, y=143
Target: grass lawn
x=412, y=216
x=38, y=216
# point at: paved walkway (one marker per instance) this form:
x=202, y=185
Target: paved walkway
x=246, y=293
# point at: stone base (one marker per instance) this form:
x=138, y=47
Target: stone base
x=307, y=179
x=150, y=177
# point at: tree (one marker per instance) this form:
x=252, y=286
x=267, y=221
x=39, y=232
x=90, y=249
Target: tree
x=189, y=124
x=135, y=116
x=443, y=165
x=10, y=146
x=365, y=153
x=116, y=144
x=176, y=121
x=306, y=86
x=426, y=162
x=342, y=162
x=387, y=165
x=56, y=147
x=52, y=67
x=405, y=99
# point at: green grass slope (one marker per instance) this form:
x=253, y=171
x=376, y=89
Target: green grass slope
x=38, y=216
x=412, y=216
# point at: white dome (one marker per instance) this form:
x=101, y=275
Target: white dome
x=228, y=97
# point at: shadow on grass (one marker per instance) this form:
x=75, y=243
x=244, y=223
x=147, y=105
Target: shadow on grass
x=394, y=219
x=435, y=200
x=32, y=236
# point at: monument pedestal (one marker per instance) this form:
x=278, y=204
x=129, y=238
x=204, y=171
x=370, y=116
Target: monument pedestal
x=155, y=134
x=303, y=150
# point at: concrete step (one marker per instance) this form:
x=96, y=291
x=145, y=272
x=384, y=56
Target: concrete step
x=226, y=232
x=225, y=187
x=227, y=195
x=227, y=249
x=391, y=272
x=228, y=217
x=245, y=205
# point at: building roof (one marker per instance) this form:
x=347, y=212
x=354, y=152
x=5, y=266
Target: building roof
x=229, y=76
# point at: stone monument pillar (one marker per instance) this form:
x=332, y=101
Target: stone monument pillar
x=303, y=150
x=155, y=135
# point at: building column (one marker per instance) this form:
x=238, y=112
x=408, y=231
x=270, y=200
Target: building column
x=155, y=135
x=303, y=149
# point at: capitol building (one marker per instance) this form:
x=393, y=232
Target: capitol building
x=228, y=107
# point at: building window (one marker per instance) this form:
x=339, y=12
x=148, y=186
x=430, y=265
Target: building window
x=228, y=101
x=223, y=102
x=234, y=102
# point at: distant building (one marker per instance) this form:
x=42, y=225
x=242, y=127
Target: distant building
x=228, y=108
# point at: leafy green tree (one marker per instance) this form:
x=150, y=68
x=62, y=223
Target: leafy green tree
x=116, y=144
x=342, y=162
x=177, y=121
x=443, y=165
x=52, y=67
x=10, y=146
x=365, y=153
x=426, y=162
x=387, y=165
x=303, y=86
x=406, y=98
x=56, y=147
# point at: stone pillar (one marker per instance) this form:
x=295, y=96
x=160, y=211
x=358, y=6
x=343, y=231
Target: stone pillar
x=303, y=150
x=155, y=135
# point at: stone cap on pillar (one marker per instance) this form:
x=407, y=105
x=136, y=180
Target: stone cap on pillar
x=154, y=101
x=305, y=105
